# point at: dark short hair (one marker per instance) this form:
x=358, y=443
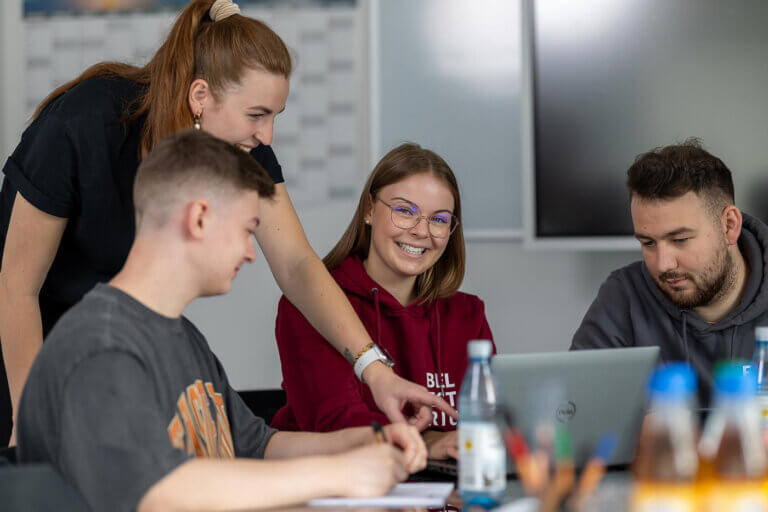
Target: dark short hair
x=196, y=156
x=673, y=171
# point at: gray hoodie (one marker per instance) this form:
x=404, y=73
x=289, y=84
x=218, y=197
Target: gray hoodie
x=630, y=310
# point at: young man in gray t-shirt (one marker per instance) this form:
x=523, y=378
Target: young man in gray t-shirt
x=126, y=399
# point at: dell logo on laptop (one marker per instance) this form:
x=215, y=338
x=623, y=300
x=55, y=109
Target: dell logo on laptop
x=566, y=412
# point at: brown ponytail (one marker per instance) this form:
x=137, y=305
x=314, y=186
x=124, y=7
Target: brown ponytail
x=218, y=52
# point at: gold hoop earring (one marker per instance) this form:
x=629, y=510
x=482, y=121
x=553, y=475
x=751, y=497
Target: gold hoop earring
x=196, y=120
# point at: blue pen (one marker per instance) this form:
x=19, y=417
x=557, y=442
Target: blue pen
x=595, y=468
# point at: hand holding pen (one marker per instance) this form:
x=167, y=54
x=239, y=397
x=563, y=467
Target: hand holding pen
x=405, y=437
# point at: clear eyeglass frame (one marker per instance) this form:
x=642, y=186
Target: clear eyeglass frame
x=437, y=229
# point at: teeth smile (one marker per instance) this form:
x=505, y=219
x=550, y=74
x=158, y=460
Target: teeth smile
x=411, y=249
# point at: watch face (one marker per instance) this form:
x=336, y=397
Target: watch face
x=384, y=356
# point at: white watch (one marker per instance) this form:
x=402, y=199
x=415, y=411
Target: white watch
x=375, y=353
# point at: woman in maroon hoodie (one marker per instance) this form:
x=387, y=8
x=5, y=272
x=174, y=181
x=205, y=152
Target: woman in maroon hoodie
x=400, y=262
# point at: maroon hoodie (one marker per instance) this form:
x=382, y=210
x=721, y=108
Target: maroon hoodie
x=427, y=342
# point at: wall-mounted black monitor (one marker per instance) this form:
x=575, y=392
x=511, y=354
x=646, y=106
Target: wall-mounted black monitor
x=610, y=79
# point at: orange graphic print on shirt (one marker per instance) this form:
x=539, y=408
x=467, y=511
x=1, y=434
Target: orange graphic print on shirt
x=193, y=427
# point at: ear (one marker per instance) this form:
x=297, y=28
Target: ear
x=368, y=217
x=200, y=96
x=732, y=221
x=197, y=219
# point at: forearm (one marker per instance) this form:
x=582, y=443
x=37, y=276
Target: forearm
x=301, y=444
x=303, y=278
x=213, y=484
x=21, y=334
x=317, y=295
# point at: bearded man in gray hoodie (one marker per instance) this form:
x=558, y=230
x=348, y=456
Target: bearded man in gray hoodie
x=701, y=288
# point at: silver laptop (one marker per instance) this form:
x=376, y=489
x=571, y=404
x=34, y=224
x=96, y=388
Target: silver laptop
x=589, y=391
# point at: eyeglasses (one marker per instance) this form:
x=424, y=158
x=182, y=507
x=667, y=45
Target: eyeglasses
x=407, y=215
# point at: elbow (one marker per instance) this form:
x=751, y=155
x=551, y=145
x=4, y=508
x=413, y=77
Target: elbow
x=12, y=289
x=292, y=275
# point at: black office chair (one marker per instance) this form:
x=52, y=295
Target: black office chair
x=7, y=456
x=264, y=402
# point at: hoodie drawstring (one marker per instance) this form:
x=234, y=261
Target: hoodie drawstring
x=685, y=336
x=375, y=293
x=438, y=352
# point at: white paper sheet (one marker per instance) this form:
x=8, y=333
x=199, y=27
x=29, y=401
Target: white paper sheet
x=429, y=494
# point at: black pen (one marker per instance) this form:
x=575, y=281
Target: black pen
x=378, y=432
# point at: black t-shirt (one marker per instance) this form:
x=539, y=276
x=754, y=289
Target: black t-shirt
x=78, y=160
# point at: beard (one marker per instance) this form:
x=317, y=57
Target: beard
x=709, y=286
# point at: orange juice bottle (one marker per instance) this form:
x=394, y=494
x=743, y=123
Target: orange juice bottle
x=666, y=463
x=732, y=445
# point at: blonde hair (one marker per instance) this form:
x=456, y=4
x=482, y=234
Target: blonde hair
x=442, y=279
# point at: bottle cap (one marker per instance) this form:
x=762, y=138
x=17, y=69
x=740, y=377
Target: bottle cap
x=735, y=378
x=761, y=333
x=672, y=380
x=479, y=349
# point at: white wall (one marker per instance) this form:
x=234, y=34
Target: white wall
x=11, y=76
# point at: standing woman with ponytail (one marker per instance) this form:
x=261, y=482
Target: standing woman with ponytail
x=66, y=208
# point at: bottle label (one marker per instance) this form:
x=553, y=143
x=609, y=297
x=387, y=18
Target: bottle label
x=482, y=458
x=762, y=404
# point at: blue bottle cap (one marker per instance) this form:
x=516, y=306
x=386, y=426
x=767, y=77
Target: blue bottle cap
x=761, y=334
x=735, y=378
x=672, y=380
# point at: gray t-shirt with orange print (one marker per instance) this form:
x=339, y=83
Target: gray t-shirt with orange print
x=119, y=396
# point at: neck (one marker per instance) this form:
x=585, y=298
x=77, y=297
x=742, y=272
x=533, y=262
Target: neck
x=402, y=288
x=720, y=307
x=155, y=275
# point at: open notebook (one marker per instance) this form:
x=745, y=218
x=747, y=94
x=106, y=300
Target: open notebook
x=427, y=494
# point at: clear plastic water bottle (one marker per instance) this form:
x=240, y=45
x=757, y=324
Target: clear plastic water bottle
x=482, y=457
x=760, y=368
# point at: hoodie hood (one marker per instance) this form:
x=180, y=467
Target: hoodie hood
x=354, y=280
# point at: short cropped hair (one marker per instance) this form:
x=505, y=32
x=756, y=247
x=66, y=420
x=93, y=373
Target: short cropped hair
x=194, y=159
x=672, y=171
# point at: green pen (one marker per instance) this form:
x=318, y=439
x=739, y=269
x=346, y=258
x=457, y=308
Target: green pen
x=565, y=474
